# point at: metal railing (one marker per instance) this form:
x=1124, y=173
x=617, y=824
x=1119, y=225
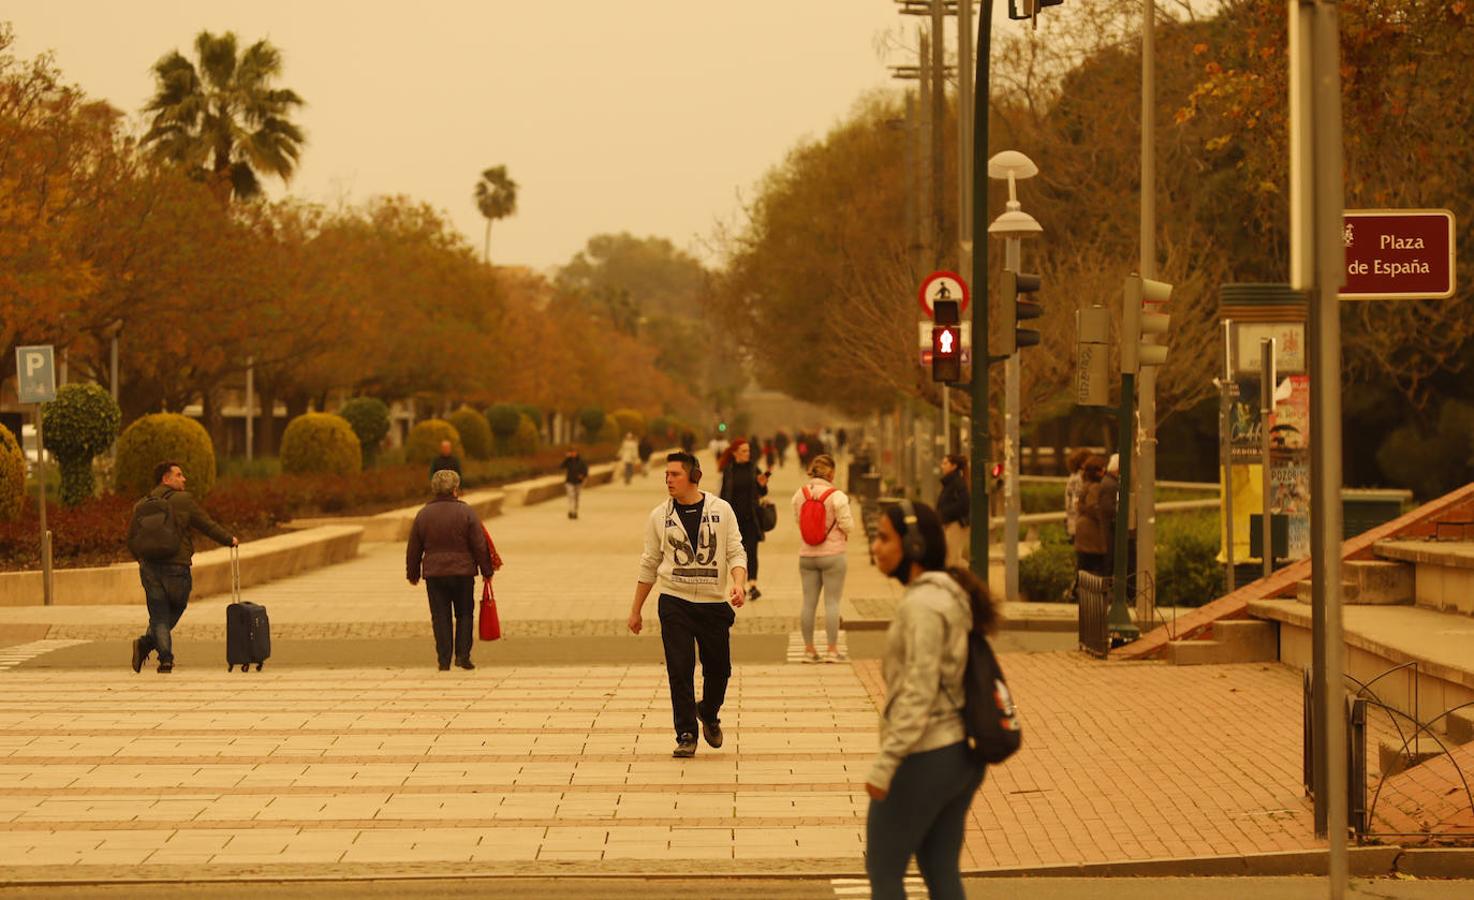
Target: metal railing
x=1094, y=595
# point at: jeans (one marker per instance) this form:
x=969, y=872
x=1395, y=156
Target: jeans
x=709, y=626
x=573, y=490
x=922, y=816
x=451, y=594
x=166, y=590
x=826, y=573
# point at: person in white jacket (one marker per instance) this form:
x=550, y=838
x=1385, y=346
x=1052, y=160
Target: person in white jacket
x=694, y=553
x=629, y=455
x=924, y=776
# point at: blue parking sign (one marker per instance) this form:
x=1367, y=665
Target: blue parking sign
x=35, y=369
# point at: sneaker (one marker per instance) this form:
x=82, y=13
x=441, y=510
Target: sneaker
x=836, y=656
x=445, y=667
x=466, y=664
x=138, y=655
x=753, y=593
x=812, y=656
x=165, y=668
x=712, y=731
x=685, y=746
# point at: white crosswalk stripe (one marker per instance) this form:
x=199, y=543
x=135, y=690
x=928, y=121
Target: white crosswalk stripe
x=10, y=657
x=859, y=888
x=796, y=648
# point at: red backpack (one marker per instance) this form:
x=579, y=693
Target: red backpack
x=811, y=518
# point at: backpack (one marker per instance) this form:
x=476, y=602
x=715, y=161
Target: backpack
x=989, y=716
x=812, y=517
x=153, y=535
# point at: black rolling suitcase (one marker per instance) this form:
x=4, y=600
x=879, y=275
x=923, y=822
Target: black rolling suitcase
x=247, y=629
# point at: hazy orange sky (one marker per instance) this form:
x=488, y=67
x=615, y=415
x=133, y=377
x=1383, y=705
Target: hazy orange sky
x=647, y=116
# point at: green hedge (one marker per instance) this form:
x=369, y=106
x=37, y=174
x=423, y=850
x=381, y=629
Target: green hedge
x=79, y=424
x=320, y=443
x=423, y=443
x=153, y=439
x=1188, y=571
x=474, y=431
x=12, y=476
x=369, y=419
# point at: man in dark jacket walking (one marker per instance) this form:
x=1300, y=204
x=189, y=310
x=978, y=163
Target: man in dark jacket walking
x=167, y=582
x=447, y=546
x=576, y=471
x=446, y=460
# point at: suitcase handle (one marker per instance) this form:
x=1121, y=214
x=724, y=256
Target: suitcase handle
x=235, y=573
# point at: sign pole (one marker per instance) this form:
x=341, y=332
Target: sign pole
x=1226, y=394
x=1267, y=379
x=41, y=510
x=980, y=437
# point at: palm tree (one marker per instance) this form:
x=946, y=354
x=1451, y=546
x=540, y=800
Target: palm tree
x=496, y=197
x=223, y=120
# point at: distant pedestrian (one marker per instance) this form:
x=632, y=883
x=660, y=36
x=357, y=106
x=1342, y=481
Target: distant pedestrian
x=954, y=506
x=1074, y=489
x=1110, y=489
x=822, y=556
x=924, y=776
x=694, y=556
x=743, y=487
x=575, y=472
x=780, y=443
x=645, y=448
x=718, y=445
x=770, y=453
x=629, y=456
x=841, y=439
x=159, y=537
x=688, y=442
x=448, y=546
x=1091, y=529
x=446, y=460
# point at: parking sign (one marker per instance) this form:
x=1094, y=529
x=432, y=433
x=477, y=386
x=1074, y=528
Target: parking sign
x=35, y=369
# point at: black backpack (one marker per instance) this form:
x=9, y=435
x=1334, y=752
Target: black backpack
x=153, y=535
x=989, y=716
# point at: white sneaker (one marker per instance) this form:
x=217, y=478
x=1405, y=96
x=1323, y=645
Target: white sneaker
x=812, y=656
x=836, y=656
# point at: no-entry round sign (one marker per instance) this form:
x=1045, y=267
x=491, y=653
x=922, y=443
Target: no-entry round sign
x=943, y=286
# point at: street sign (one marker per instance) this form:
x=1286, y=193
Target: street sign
x=926, y=356
x=35, y=369
x=942, y=286
x=923, y=335
x=1398, y=254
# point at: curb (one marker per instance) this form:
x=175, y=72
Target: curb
x=1050, y=625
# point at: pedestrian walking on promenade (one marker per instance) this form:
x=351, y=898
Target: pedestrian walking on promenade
x=954, y=506
x=645, y=448
x=841, y=440
x=447, y=547
x=770, y=453
x=159, y=538
x=446, y=460
x=629, y=456
x=743, y=486
x=1092, y=530
x=924, y=776
x=694, y=557
x=780, y=443
x=1074, y=489
x=688, y=442
x=825, y=523
x=575, y=472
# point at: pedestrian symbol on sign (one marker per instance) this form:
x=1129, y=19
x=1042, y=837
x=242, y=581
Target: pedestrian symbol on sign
x=946, y=341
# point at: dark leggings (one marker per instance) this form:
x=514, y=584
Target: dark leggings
x=922, y=816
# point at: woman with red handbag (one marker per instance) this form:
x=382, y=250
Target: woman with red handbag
x=446, y=547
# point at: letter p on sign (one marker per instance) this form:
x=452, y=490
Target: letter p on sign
x=36, y=374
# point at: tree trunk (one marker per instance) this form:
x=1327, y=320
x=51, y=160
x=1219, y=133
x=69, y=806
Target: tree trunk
x=266, y=424
x=297, y=403
x=214, y=422
x=486, y=249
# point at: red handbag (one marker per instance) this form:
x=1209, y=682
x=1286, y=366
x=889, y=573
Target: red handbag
x=491, y=623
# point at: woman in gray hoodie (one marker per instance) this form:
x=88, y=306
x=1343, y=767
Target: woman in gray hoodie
x=924, y=776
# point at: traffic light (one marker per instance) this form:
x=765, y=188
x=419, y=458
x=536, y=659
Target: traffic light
x=1017, y=288
x=1137, y=322
x=946, y=341
x=1027, y=9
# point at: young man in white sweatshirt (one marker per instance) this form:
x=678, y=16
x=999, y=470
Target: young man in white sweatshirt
x=693, y=552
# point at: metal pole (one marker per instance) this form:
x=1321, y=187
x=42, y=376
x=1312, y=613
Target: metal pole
x=980, y=437
x=1146, y=515
x=113, y=367
x=1012, y=372
x=1267, y=378
x=964, y=172
x=1119, y=617
x=250, y=406
x=938, y=118
x=1225, y=394
x=41, y=509
x=1325, y=383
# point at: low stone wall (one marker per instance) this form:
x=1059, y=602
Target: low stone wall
x=261, y=561
x=394, y=525
x=540, y=490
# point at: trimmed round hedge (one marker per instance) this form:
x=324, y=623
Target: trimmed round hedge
x=369, y=419
x=525, y=442
x=474, y=431
x=503, y=419
x=12, y=476
x=631, y=421
x=592, y=420
x=320, y=443
x=155, y=438
x=423, y=443
x=79, y=424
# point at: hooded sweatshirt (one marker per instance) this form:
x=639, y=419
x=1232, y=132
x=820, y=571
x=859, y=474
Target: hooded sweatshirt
x=925, y=654
x=696, y=574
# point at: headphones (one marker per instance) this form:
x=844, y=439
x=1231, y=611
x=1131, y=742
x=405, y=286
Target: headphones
x=913, y=543
x=695, y=473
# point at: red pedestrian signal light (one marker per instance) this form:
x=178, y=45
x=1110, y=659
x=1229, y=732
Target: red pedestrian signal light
x=946, y=353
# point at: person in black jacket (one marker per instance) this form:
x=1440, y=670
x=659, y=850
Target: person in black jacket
x=576, y=471
x=446, y=460
x=742, y=486
x=954, y=507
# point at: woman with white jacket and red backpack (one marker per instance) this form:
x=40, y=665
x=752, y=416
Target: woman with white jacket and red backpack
x=824, y=524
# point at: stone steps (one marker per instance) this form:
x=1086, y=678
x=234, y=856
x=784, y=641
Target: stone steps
x=1229, y=641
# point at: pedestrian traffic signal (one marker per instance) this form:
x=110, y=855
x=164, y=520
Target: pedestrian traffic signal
x=1018, y=287
x=1027, y=9
x=1137, y=323
x=946, y=353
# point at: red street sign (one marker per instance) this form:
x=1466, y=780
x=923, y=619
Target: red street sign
x=943, y=286
x=1398, y=254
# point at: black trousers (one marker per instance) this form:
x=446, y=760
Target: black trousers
x=709, y=627
x=451, y=594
